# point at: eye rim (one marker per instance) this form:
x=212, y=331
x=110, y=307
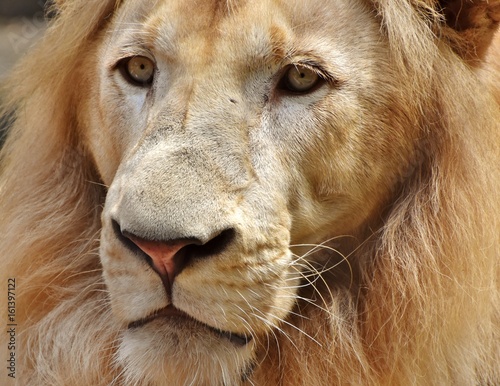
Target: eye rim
x=122, y=66
x=285, y=86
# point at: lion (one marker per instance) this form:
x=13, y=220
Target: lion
x=229, y=193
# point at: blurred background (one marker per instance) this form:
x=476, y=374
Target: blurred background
x=21, y=24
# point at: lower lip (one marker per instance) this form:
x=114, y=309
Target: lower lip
x=171, y=311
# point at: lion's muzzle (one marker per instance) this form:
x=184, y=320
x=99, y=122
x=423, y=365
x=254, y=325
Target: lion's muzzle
x=189, y=226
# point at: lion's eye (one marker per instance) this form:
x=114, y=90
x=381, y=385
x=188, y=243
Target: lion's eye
x=138, y=70
x=300, y=79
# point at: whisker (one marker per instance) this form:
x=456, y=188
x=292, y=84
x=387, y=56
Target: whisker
x=275, y=327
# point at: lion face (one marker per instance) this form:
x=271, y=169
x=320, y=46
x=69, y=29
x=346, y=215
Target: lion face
x=226, y=136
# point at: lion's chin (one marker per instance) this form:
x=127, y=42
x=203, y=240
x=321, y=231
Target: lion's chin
x=170, y=347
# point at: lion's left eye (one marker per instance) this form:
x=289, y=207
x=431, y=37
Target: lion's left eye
x=137, y=70
x=299, y=79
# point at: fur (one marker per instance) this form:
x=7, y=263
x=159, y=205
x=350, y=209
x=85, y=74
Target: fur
x=420, y=303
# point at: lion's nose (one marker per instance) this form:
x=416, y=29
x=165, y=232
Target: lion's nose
x=169, y=257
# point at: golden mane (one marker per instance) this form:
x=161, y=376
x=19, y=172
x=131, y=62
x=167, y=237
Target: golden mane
x=436, y=255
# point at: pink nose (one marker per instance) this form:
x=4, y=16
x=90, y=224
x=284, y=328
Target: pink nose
x=164, y=255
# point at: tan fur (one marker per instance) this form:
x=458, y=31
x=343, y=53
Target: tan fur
x=364, y=214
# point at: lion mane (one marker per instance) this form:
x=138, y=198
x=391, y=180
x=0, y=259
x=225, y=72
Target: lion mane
x=422, y=305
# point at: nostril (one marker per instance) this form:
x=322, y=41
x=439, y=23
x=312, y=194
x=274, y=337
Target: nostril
x=214, y=246
x=122, y=236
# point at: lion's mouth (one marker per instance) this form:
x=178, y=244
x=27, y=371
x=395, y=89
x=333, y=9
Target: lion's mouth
x=171, y=311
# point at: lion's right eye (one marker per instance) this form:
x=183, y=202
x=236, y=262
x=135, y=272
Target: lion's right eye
x=137, y=70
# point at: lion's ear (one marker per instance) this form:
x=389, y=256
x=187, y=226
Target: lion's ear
x=470, y=25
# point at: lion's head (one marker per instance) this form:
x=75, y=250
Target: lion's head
x=259, y=193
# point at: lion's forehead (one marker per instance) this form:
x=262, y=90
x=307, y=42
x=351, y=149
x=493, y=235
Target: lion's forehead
x=243, y=34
